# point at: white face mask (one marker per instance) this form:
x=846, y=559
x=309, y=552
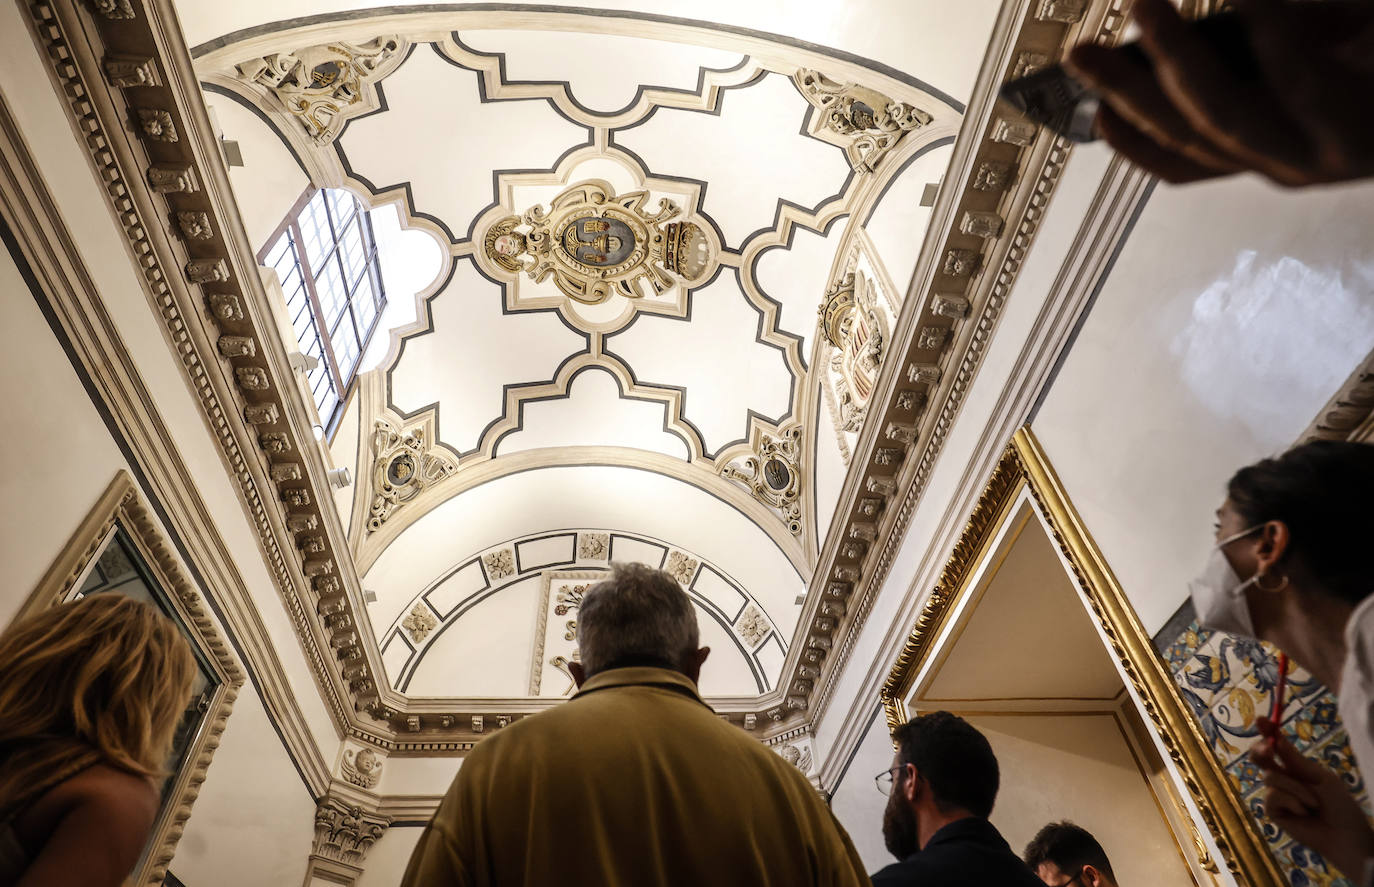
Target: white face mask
x=1219, y=594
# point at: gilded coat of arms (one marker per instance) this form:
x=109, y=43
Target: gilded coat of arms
x=595, y=244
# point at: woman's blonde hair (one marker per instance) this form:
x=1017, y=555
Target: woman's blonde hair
x=108, y=671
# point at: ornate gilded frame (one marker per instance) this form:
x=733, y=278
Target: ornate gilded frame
x=1025, y=467
x=122, y=506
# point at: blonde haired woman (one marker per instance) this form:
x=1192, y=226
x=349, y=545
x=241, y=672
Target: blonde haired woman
x=91, y=693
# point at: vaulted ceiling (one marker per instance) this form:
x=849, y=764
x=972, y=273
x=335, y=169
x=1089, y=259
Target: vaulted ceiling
x=524, y=419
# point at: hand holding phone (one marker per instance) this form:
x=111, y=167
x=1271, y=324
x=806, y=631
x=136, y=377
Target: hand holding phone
x=1280, y=88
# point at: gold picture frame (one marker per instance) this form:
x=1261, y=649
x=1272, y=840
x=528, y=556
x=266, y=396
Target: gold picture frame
x=1025, y=467
x=121, y=506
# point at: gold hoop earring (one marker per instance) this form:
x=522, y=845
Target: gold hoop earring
x=1280, y=587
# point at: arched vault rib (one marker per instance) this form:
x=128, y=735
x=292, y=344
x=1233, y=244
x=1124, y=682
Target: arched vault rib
x=480, y=468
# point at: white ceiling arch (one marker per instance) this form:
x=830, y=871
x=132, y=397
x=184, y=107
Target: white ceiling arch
x=710, y=380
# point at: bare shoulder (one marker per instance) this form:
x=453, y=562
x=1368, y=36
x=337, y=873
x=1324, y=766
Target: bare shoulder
x=127, y=801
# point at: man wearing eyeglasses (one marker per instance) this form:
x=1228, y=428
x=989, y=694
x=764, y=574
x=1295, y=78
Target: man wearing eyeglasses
x=940, y=791
x=1063, y=854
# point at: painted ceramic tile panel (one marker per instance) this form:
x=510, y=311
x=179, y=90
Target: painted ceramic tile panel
x=1229, y=681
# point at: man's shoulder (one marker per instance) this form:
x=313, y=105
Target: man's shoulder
x=956, y=861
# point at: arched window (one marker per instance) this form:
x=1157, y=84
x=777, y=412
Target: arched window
x=326, y=258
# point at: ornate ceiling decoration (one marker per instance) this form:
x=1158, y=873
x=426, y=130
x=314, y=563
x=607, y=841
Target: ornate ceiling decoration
x=558, y=566
x=324, y=86
x=596, y=244
x=156, y=151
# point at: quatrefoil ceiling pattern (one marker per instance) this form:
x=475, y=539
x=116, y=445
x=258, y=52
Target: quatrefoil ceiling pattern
x=667, y=275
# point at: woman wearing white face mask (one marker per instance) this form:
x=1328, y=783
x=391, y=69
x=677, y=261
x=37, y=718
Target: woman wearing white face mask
x=1292, y=567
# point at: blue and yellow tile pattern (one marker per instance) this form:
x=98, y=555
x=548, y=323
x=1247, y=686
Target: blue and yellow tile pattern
x=1228, y=682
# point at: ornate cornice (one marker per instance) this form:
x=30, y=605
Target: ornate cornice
x=1349, y=414
x=62, y=282
x=1003, y=174
x=153, y=149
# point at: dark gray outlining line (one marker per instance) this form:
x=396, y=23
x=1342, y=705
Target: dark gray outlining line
x=719, y=615
x=427, y=8
x=566, y=85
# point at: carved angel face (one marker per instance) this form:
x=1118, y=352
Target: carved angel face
x=509, y=245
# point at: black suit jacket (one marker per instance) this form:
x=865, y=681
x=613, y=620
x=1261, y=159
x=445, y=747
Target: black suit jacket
x=967, y=853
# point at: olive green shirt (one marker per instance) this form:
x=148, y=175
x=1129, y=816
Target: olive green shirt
x=634, y=782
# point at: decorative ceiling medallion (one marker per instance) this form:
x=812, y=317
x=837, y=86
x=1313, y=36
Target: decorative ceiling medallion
x=596, y=245
x=871, y=121
x=405, y=465
x=773, y=474
x=855, y=325
x=324, y=86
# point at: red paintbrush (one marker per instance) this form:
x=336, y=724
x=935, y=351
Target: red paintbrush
x=1276, y=712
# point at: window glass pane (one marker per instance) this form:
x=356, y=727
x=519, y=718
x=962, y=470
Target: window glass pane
x=281, y=253
x=354, y=252
x=364, y=305
x=329, y=286
x=345, y=347
x=342, y=205
x=315, y=230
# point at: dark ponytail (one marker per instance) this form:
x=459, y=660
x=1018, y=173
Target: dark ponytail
x=1324, y=492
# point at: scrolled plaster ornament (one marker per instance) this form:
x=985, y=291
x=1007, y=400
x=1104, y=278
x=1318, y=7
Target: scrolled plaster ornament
x=992, y=176
x=324, y=86
x=875, y=122
x=752, y=626
x=226, y=307
x=419, y=623
x=363, y=768
x=595, y=244
x=195, y=225
x=852, y=322
x=403, y=467
x=252, y=379
x=128, y=71
x=207, y=271
x=961, y=262
x=773, y=474
x=592, y=546
x=499, y=564
x=345, y=833
x=168, y=178
x=114, y=9
x=681, y=567
x=156, y=124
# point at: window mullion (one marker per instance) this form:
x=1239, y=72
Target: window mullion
x=321, y=326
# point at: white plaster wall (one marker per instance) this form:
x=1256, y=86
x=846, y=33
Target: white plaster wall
x=855, y=799
x=254, y=819
x=1233, y=313
x=270, y=181
x=1080, y=768
x=59, y=455
x=387, y=860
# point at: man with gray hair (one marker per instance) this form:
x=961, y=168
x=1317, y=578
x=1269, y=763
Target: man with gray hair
x=634, y=781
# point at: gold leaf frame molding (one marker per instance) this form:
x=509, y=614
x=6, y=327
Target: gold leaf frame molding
x=1024, y=468
x=122, y=507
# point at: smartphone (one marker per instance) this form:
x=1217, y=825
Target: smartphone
x=1054, y=98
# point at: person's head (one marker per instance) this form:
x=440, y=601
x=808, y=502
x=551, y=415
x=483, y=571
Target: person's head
x=1063, y=854
x=638, y=616
x=943, y=770
x=107, y=670
x=1300, y=524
